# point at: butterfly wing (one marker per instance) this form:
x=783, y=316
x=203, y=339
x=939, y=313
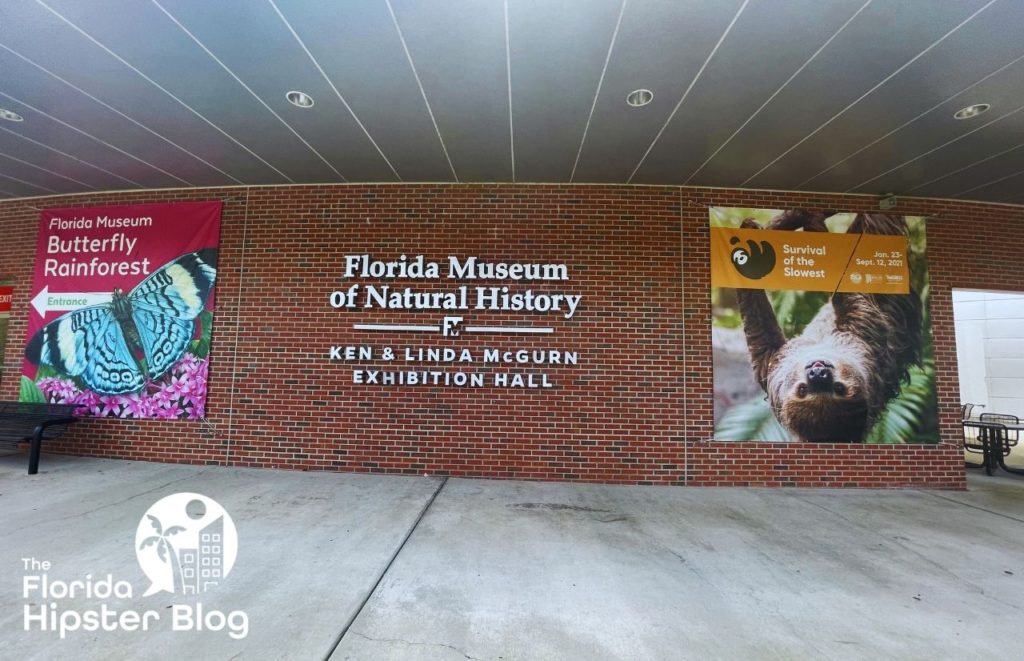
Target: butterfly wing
x=164, y=338
x=88, y=343
x=165, y=305
x=181, y=287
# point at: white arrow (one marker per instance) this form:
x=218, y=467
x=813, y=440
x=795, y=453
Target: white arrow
x=45, y=302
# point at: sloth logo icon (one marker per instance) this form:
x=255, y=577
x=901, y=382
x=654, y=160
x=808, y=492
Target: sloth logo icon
x=755, y=261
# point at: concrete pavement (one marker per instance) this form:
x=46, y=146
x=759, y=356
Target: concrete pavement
x=526, y=571
x=311, y=547
x=520, y=570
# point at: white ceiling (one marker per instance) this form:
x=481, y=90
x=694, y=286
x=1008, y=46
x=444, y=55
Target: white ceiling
x=823, y=95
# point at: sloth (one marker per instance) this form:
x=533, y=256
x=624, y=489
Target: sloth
x=830, y=383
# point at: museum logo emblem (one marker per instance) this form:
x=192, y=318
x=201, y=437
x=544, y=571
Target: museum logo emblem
x=755, y=261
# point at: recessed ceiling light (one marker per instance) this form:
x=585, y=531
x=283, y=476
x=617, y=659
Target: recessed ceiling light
x=10, y=115
x=641, y=97
x=300, y=99
x=971, y=111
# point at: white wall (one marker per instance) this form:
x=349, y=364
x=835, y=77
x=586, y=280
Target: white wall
x=990, y=349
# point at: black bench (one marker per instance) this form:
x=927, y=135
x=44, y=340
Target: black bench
x=32, y=422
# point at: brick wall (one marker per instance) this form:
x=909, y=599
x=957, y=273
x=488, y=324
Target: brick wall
x=636, y=409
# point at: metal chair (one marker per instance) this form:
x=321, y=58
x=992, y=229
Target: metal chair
x=1001, y=418
x=966, y=410
x=1010, y=436
x=973, y=443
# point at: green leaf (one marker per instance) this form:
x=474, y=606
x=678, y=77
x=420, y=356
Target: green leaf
x=913, y=416
x=750, y=421
x=30, y=392
x=201, y=347
x=44, y=371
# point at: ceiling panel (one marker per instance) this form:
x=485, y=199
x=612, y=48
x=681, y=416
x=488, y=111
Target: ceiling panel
x=884, y=37
x=969, y=178
x=75, y=140
x=827, y=95
x=557, y=54
x=991, y=136
x=661, y=46
x=1005, y=188
x=356, y=44
x=48, y=95
x=932, y=80
x=12, y=184
x=50, y=179
x=1016, y=198
x=930, y=133
x=458, y=48
x=94, y=72
x=13, y=143
x=1004, y=89
x=254, y=44
x=192, y=77
x=722, y=100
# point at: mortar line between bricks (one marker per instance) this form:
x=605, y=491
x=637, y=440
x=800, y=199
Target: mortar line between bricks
x=238, y=332
x=685, y=431
x=976, y=507
x=387, y=568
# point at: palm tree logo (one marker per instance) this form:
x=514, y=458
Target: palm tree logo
x=185, y=543
x=164, y=548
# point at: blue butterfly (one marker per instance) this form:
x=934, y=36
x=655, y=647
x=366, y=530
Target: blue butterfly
x=99, y=344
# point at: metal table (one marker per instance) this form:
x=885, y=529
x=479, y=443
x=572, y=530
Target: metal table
x=993, y=437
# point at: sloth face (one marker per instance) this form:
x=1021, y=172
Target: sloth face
x=820, y=392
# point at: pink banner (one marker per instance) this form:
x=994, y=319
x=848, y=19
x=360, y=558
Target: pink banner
x=121, y=309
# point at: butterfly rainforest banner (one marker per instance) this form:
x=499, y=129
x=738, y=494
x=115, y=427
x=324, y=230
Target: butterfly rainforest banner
x=122, y=309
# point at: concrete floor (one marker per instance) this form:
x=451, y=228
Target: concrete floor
x=520, y=570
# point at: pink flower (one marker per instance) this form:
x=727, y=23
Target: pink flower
x=47, y=385
x=181, y=386
x=170, y=412
x=195, y=400
x=163, y=397
x=109, y=405
x=88, y=399
x=136, y=406
x=188, y=364
x=58, y=391
x=181, y=392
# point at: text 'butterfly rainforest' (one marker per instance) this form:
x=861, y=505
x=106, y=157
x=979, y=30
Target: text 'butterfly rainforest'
x=118, y=347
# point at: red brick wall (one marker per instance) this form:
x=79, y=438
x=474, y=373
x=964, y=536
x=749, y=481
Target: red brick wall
x=636, y=409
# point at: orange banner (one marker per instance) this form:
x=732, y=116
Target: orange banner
x=809, y=261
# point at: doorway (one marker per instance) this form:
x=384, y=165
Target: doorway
x=990, y=356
